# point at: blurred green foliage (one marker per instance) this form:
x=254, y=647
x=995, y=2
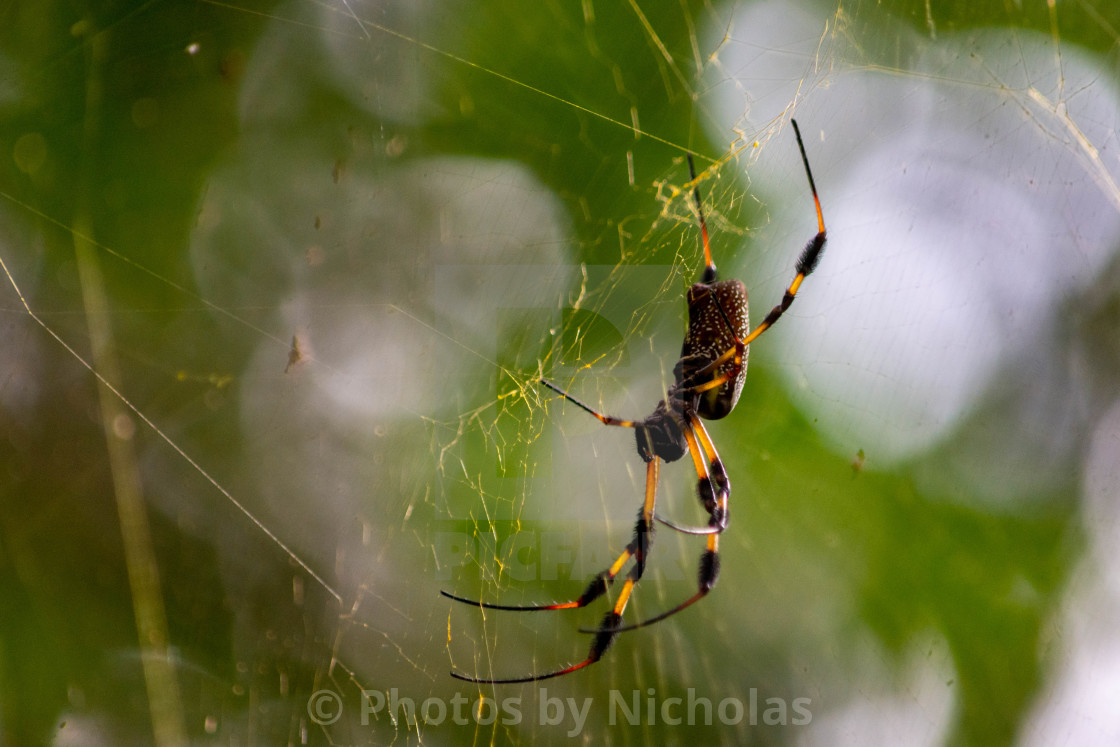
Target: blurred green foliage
x=129, y=124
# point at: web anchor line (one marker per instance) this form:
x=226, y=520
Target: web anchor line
x=167, y=439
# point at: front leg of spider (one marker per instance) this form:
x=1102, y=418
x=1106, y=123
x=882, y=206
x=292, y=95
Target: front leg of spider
x=708, y=380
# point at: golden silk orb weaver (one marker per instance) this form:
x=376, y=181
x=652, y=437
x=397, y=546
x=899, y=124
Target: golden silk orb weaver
x=708, y=379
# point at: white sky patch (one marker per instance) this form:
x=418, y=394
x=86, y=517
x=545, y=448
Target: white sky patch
x=955, y=230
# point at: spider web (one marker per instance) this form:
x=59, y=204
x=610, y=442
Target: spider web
x=280, y=280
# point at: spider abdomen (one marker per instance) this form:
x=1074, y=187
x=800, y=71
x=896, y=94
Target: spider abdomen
x=709, y=337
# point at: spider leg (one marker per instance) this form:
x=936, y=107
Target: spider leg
x=707, y=576
x=701, y=471
x=599, y=583
x=611, y=623
x=709, y=265
x=810, y=255
x=716, y=471
x=715, y=501
x=713, y=487
x=806, y=263
x=604, y=419
x=595, y=589
x=686, y=529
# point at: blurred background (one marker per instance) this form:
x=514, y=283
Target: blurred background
x=279, y=278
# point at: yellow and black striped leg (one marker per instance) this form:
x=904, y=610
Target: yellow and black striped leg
x=707, y=576
x=713, y=487
x=715, y=490
x=643, y=536
x=810, y=255
x=610, y=625
x=806, y=263
x=604, y=419
x=598, y=585
x=720, y=483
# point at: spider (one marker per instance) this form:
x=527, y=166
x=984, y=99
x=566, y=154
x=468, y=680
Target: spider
x=708, y=379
